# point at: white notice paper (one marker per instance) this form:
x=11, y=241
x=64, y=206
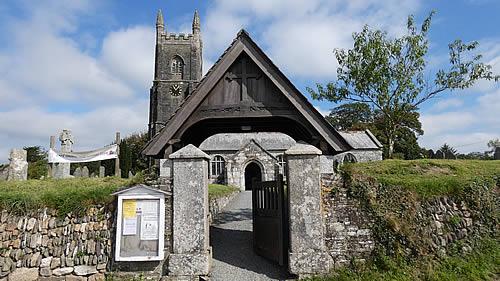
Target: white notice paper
x=149, y=219
x=129, y=226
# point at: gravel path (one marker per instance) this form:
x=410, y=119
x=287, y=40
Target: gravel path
x=231, y=240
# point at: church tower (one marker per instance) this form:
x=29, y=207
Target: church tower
x=178, y=69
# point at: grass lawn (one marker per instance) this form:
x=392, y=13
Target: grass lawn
x=483, y=263
x=71, y=195
x=218, y=190
x=427, y=177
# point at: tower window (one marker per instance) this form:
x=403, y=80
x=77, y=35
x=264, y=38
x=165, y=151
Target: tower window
x=217, y=166
x=177, y=66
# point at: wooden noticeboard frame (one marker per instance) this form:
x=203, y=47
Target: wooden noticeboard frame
x=140, y=195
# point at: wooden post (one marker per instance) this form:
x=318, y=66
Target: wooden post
x=117, y=161
x=52, y=145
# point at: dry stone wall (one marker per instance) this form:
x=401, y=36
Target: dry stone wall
x=43, y=245
x=348, y=233
x=433, y=226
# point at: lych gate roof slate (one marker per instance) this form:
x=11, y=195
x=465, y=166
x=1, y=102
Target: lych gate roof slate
x=361, y=139
x=235, y=141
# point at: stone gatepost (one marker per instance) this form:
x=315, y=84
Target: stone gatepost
x=307, y=253
x=18, y=166
x=191, y=254
x=62, y=170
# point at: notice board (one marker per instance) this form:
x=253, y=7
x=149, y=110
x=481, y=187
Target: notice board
x=140, y=226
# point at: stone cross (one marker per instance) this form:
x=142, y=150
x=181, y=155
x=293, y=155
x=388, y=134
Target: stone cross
x=66, y=139
x=307, y=253
x=18, y=167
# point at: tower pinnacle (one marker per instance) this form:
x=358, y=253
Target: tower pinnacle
x=196, y=23
x=159, y=19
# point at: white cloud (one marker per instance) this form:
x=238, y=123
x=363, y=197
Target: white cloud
x=129, y=53
x=447, y=104
x=300, y=35
x=50, y=80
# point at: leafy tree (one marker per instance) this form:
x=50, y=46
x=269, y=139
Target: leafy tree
x=37, y=162
x=388, y=74
x=131, y=158
x=351, y=116
x=359, y=116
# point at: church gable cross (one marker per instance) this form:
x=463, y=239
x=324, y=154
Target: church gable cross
x=244, y=78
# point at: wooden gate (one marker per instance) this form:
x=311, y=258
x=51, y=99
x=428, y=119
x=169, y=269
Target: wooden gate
x=270, y=220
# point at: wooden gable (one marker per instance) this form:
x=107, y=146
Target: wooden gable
x=245, y=85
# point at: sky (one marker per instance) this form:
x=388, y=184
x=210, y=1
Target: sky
x=87, y=65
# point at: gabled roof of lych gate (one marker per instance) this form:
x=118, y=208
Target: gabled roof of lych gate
x=243, y=43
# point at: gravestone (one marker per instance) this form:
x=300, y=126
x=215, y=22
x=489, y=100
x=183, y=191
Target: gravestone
x=92, y=175
x=85, y=172
x=18, y=166
x=102, y=171
x=78, y=172
x=496, y=156
x=130, y=175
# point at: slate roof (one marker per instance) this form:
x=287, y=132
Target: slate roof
x=361, y=139
x=244, y=43
x=235, y=141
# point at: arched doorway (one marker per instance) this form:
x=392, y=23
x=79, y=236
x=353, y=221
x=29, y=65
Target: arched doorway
x=252, y=170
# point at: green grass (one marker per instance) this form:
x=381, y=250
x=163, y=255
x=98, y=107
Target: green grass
x=427, y=177
x=65, y=195
x=71, y=195
x=218, y=190
x=483, y=263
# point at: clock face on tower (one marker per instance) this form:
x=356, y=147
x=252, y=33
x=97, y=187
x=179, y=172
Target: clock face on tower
x=176, y=90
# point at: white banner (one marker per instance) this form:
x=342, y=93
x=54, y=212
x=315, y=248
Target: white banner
x=105, y=153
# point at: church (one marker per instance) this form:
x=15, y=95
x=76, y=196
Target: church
x=244, y=113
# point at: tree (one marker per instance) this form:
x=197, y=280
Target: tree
x=37, y=162
x=447, y=151
x=388, y=74
x=359, y=116
x=351, y=116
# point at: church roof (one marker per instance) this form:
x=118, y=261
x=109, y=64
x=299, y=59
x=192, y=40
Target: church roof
x=235, y=141
x=244, y=44
x=361, y=139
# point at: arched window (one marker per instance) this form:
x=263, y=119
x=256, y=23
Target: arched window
x=349, y=158
x=177, y=66
x=282, y=163
x=217, y=166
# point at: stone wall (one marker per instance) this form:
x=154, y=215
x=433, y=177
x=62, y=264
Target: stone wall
x=354, y=228
x=45, y=245
x=216, y=205
x=347, y=227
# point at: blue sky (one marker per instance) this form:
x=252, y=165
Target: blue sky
x=87, y=65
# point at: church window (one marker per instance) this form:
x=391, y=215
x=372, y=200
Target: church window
x=349, y=158
x=177, y=66
x=281, y=163
x=217, y=165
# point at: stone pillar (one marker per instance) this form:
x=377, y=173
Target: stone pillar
x=191, y=253
x=307, y=253
x=18, y=166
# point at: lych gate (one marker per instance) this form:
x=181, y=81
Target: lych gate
x=244, y=96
